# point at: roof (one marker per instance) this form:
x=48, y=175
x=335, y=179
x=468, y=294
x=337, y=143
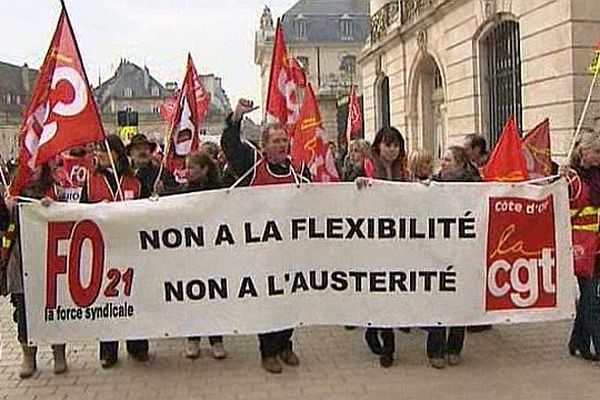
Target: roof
x=11, y=78
x=129, y=75
x=323, y=19
x=330, y=7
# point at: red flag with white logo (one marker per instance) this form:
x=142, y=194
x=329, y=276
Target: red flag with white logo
x=191, y=109
x=282, y=101
x=354, y=124
x=308, y=143
x=62, y=113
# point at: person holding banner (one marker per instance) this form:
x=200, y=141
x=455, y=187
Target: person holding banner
x=102, y=186
x=43, y=186
x=445, y=342
x=203, y=174
x=272, y=166
x=389, y=160
x=358, y=155
x=420, y=165
x=584, y=176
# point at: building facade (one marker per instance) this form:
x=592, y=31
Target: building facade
x=16, y=85
x=326, y=37
x=442, y=69
x=133, y=88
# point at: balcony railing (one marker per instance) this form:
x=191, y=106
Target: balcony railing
x=404, y=10
x=382, y=19
x=411, y=9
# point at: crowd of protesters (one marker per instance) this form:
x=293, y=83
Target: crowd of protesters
x=136, y=171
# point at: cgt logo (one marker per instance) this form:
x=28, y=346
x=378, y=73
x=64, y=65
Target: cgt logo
x=521, y=255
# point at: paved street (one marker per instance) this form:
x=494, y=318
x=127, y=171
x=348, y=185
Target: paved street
x=511, y=362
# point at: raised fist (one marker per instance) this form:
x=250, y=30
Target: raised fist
x=243, y=107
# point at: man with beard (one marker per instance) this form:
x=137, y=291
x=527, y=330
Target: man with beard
x=141, y=150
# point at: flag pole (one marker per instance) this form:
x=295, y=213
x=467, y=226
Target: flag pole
x=585, y=108
x=169, y=135
x=348, y=121
x=2, y=174
x=165, y=153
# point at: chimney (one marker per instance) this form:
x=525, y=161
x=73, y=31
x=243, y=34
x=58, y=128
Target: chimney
x=25, y=77
x=146, y=78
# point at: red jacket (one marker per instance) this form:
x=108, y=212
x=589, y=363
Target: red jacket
x=585, y=228
x=99, y=189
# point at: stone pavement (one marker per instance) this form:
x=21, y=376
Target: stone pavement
x=510, y=362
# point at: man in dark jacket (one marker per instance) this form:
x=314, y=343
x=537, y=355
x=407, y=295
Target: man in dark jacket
x=271, y=166
x=140, y=149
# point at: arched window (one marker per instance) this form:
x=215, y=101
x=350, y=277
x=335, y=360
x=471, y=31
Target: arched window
x=501, y=71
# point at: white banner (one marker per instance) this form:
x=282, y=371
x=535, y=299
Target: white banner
x=260, y=259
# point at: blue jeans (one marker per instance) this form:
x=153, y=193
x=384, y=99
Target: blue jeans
x=586, y=329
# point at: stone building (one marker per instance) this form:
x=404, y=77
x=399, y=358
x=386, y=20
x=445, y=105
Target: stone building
x=16, y=85
x=327, y=37
x=441, y=69
x=132, y=87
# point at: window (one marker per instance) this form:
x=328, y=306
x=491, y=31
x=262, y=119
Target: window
x=301, y=25
x=346, y=28
x=501, y=70
x=155, y=91
x=128, y=92
x=305, y=64
x=155, y=110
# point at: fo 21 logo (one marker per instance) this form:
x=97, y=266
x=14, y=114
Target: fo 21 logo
x=76, y=235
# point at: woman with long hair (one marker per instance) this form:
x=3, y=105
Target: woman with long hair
x=389, y=161
x=203, y=174
x=420, y=165
x=359, y=154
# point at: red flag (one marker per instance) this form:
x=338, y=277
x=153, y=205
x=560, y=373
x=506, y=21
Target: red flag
x=192, y=106
x=168, y=108
x=308, y=144
x=354, y=123
x=203, y=96
x=536, y=149
x=282, y=102
x=507, y=163
x=62, y=113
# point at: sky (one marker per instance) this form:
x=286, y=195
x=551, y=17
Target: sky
x=156, y=33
